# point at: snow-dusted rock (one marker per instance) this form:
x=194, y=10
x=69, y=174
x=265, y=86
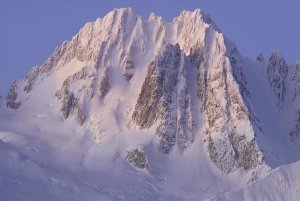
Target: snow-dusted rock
x=295, y=78
x=104, y=84
x=69, y=103
x=185, y=120
x=157, y=100
x=31, y=78
x=129, y=69
x=138, y=159
x=230, y=123
x=160, y=98
x=295, y=132
x=11, y=98
x=277, y=73
x=260, y=58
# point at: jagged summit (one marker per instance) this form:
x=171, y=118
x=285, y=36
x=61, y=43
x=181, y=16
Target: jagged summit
x=277, y=73
x=156, y=95
x=277, y=57
x=197, y=16
x=188, y=52
x=260, y=57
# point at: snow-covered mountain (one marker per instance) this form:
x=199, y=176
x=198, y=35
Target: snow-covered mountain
x=136, y=109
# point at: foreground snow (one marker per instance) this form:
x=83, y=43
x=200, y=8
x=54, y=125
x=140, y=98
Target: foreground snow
x=61, y=164
x=282, y=183
x=35, y=170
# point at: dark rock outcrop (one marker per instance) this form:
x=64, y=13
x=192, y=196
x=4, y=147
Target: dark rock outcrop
x=260, y=58
x=277, y=73
x=295, y=132
x=129, y=70
x=161, y=97
x=69, y=103
x=104, y=84
x=295, y=79
x=230, y=124
x=11, y=98
x=138, y=159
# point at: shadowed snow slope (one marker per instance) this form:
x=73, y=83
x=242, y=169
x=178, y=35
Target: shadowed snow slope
x=136, y=109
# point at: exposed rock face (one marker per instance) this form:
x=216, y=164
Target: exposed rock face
x=31, y=78
x=138, y=159
x=165, y=101
x=230, y=124
x=185, y=121
x=146, y=109
x=1, y=99
x=104, y=85
x=157, y=97
x=129, y=70
x=167, y=69
x=294, y=88
x=295, y=132
x=69, y=103
x=295, y=78
x=161, y=97
x=277, y=73
x=227, y=125
x=11, y=98
x=260, y=58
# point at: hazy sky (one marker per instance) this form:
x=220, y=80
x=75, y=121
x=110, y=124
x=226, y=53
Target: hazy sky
x=31, y=29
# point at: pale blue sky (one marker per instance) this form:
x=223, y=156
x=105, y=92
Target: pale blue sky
x=31, y=29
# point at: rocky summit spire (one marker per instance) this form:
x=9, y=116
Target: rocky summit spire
x=277, y=74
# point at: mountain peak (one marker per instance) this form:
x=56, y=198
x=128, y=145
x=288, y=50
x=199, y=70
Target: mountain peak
x=277, y=55
x=260, y=58
x=197, y=17
x=153, y=17
x=277, y=59
x=127, y=10
x=159, y=98
x=120, y=15
x=277, y=74
x=198, y=14
x=121, y=12
x=159, y=68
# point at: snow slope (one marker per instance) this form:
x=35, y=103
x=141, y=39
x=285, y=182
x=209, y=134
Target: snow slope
x=280, y=184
